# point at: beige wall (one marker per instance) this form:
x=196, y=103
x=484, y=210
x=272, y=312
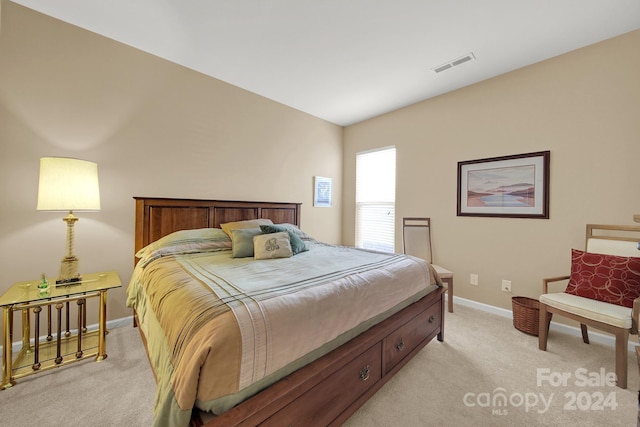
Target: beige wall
x=583, y=106
x=154, y=128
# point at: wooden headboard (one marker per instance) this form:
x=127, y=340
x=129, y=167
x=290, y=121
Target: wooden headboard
x=157, y=217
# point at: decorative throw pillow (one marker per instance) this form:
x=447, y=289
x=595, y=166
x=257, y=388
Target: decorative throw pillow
x=272, y=245
x=609, y=278
x=249, y=223
x=242, y=242
x=297, y=245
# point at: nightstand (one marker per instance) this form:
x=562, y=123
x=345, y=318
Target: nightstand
x=63, y=346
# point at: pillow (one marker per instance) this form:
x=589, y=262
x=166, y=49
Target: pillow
x=242, y=242
x=609, y=278
x=186, y=241
x=297, y=245
x=272, y=245
x=250, y=223
x=295, y=230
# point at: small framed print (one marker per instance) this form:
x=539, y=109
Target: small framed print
x=321, y=192
x=514, y=186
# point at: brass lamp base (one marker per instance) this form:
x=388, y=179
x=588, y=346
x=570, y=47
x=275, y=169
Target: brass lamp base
x=69, y=271
x=69, y=265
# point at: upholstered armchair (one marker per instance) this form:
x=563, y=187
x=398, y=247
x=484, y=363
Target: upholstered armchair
x=603, y=290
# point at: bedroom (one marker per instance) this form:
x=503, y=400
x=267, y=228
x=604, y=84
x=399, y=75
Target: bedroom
x=134, y=113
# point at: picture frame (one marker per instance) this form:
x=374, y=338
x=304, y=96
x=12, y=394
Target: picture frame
x=322, y=192
x=515, y=186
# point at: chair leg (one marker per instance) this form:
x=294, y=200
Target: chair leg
x=543, y=327
x=440, y=336
x=622, y=339
x=449, y=283
x=585, y=334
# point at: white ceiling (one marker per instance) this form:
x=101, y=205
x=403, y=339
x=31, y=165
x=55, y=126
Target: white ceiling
x=350, y=60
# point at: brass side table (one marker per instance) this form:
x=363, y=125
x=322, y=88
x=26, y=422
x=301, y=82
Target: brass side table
x=61, y=346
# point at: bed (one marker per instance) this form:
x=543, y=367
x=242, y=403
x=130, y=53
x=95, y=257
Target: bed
x=310, y=370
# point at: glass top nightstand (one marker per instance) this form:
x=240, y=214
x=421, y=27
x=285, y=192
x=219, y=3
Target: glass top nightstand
x=25, y=292
x=61, y=347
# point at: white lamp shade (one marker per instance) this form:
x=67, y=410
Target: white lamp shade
x=68, y=185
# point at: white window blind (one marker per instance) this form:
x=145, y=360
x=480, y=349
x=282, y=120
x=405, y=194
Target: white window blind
x=376, y=199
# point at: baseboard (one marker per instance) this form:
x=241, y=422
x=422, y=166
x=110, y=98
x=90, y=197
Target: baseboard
x=594, y=336
x=118, y=323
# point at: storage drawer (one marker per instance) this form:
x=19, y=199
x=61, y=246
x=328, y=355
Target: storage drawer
x=337, y=392
x=404, y=339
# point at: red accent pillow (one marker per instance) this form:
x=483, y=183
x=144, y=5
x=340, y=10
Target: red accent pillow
x=609, y=278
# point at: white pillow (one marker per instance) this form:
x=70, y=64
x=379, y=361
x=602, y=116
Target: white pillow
x=273, y=245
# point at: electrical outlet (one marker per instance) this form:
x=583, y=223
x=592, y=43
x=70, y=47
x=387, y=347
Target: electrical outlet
x=506, y=285
x=473, y=279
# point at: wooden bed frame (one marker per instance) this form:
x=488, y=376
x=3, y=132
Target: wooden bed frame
x=329, y=390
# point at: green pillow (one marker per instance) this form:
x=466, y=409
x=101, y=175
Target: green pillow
x=297, y=245
x=242, y=242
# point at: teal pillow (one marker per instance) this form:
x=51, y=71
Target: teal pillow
x=242, y=241
x=297, y=245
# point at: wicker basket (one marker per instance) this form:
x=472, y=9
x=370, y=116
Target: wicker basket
x=526, y=312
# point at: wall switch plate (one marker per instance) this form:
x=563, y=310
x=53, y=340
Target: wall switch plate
x=473, y=279
x=506, y=285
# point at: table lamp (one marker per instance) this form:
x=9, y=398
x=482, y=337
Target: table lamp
x=68, y=185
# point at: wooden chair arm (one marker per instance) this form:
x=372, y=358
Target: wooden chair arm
x=634, y=317
x=545, y=283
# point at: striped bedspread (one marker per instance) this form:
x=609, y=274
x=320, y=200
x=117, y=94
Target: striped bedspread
x=219, y=329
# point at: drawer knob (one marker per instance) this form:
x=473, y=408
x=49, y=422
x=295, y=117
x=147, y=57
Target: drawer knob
x=364, y=373
x=432, y=318
x=400, y=345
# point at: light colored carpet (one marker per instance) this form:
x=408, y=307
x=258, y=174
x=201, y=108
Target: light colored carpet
x=483, y=357
x=118, y=391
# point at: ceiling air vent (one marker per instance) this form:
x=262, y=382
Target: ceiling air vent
x=468, y=57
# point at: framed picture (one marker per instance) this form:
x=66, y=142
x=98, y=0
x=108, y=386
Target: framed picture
x=511, y=186
x=321, y=192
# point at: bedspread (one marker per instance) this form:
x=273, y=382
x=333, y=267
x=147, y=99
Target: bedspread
x=220, y=328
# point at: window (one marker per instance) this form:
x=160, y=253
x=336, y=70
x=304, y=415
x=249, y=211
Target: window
x=376, y=199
